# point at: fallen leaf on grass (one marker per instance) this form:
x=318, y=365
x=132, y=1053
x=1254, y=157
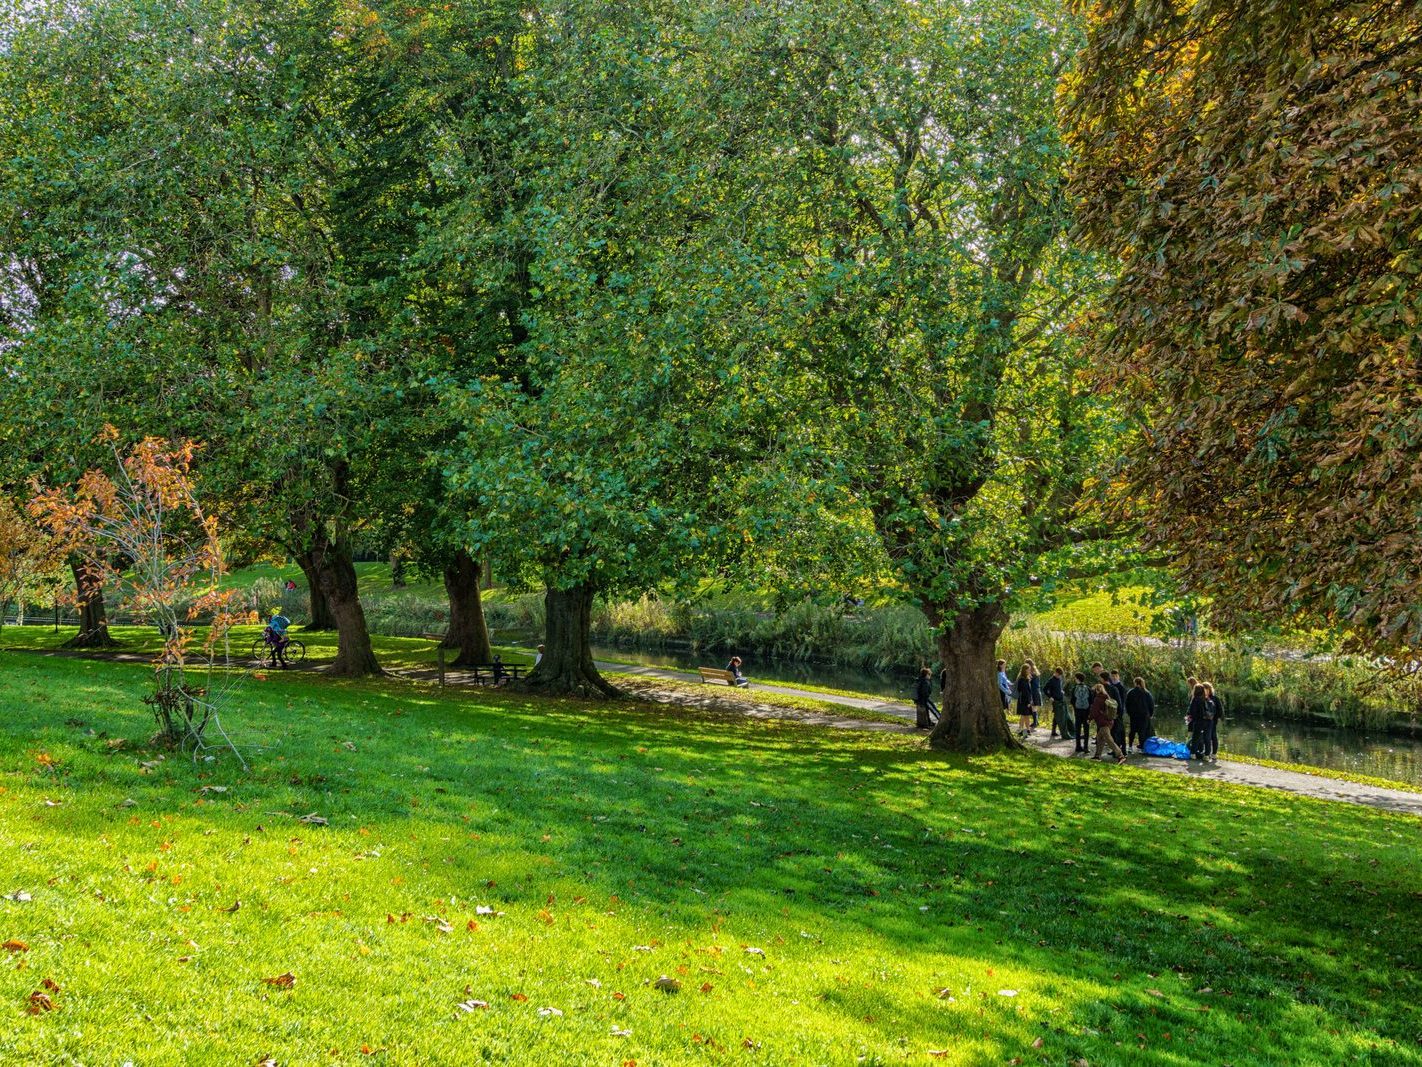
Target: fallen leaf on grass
x=472, y=1005
x=267, y=1061
x=1037, y=1043
x=213, y=789
x=1155, y=992
x=520, y=997
x=619, y=996
x=236, y=906
x=749, y=1045
x=282, y=981
x=483, y=909
x=667, y=985
x=706, y=987
x=38, y=1002
x=1007, y=992
x=755, y=951
x=19, y=896
x=312, y=819
x=621, y=1033
x=549, y=1013
x=51, y=985
x=15, y=945
x=594, y=983
x=938, y=1053
x=128, y=802
x=51, y=803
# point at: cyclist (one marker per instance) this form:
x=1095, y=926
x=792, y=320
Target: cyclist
x=275, y=635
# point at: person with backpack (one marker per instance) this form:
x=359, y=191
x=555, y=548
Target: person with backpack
x=1024, y=701
x=1214, y=708
x=1081, y=705
x=1117, y=689
x=923, y=698
x=1103, y=712
x=1061, y=717
x=1140, y=710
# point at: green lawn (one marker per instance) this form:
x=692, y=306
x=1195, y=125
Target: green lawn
x=395, y=653
x=900, y=903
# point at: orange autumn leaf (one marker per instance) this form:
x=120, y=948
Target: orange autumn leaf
x=15, y=945
x=520, y=997
x=282, y=981
x=39, y=1002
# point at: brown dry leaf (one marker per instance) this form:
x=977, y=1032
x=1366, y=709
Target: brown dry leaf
x=520, y=997
x=706, y=987
x=51, y=985
x=667, y=985
x=619, y=996
x=14, y=945
x=282, y=981
x=749, y=1045
x=1155, y=992
x=267, y=1061
x=236, y=905
x=1037, y=1043
x=38, y=1002
x=938, y=1052
x=545, y=916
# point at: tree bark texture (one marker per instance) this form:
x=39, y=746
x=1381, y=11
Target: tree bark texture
x=567, y=668
x=468, y=631
x=321, y=617
x=972, y=718
x=93, y=617
x=336, y=579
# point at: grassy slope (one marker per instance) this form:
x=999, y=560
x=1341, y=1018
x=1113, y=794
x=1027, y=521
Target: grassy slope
x=622, y=844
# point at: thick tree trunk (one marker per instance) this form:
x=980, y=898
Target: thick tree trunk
x=321, y=617
x=336, y=578
x=93, y=618
x=397, y=572
x=467, y=629
x=567, y=668
x=972, y=717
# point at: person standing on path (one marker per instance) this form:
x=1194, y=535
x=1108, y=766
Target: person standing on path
x=1024, y=701
x=1117, y=689
x=1214, y=710
x=1102, y=715
x=1140, y=710
x=1061, y=718
x=1196, y=718
x=1036, y=692
x=923, y=699
x=1004, y=687
x=1081, y=704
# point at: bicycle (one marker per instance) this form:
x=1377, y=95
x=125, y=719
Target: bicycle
x=261, y=655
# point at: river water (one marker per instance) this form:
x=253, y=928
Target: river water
x=1379, y=755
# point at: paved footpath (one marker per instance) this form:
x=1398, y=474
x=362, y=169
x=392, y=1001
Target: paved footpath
x=1300, y=782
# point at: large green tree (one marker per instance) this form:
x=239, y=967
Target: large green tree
x=1256, y=168
x=914, y=198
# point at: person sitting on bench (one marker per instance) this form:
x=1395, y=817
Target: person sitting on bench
x=737, y=678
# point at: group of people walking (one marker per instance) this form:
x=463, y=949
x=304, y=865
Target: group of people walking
x=1123, y=717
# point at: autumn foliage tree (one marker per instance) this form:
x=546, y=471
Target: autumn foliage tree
x=27, y=555
x=1256, y=167
x=147, y=514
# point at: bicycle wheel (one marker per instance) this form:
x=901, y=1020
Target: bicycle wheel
x=295, y=652
x=260, y=653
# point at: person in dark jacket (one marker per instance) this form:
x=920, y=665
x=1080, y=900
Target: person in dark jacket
x=1117, y=689
x=1197, y=719
x=923, y=698
x=1101, y=715
x=737, y=678
x=1036, y=692
x=1140, y=710
x=1024, y=701
x=1081, y=707
x=1055, y=690
x=1214, y=708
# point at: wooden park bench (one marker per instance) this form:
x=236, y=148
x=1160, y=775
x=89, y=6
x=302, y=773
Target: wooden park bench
x=484, y=672
x=712, y=674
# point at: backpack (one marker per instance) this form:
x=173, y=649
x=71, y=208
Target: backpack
x=1081, y=695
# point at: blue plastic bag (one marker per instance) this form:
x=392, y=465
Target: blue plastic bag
x=1159, y=746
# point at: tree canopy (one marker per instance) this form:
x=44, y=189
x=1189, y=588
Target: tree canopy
x=1256, y=169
